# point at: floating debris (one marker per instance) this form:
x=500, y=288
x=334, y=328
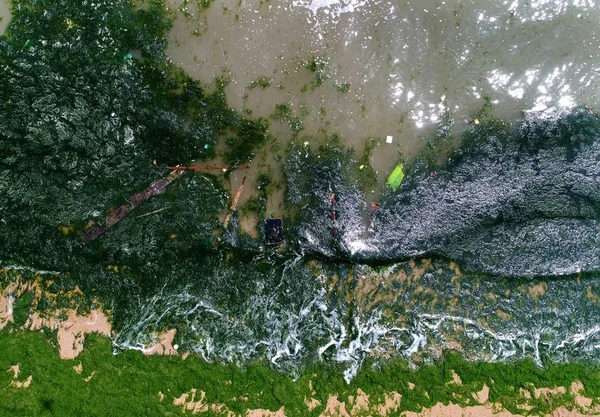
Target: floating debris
x=234, y=203
x=208, y=167
x=396, y=177
x=273, y=231
x=135, y=200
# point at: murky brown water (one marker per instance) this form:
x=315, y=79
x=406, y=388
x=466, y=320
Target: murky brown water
x=380, y=68
x=4, y=15
x=384, y=66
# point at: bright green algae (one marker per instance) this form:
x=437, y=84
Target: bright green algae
x=129, y=383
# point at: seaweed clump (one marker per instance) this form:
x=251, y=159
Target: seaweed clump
x=84, y=123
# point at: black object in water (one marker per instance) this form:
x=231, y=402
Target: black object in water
x=273, y=231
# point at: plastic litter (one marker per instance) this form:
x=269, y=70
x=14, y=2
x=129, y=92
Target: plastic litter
x=396, y=177
x=273, y=231
x=389, y=139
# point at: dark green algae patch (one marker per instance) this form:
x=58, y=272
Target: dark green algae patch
x=81, y=123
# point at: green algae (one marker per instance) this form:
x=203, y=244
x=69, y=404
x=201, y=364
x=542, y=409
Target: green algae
x=318, y=66
x=284, y=113
x=342, y=86
x=81, y=127
x=262, y=82
x=133, y=381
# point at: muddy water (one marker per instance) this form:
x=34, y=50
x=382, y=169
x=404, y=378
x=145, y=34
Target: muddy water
x=384, y=67
x=4, y=15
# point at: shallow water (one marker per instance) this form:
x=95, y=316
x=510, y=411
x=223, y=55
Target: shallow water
x=405, y=64
x=4, y=15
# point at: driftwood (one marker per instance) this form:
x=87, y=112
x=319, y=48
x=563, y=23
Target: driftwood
x=234, y=203
x=135, y=200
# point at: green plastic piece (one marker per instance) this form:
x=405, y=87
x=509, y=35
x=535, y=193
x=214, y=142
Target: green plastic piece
x=396, y=177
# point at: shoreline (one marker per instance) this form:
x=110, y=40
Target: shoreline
x=70, y=331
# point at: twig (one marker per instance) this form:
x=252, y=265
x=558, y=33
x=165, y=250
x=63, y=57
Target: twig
x=152, y=212
x=203, y=167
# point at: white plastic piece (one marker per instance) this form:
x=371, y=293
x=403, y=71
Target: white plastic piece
x=389, y=139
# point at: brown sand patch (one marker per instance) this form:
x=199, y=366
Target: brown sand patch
x=359, y=403
x=524, y=407
x=194, y=401
x=161, y=396
x=453, y=344
x=6, y=310
x=22, y=384
x=89, y=378
x=564, y=412
x=482, y=396
x=411, y=386
x=72, y=331
x=503, y=315
x=577, y=391
x=548, y=392
x=15, y=369
x=164, y=346
x=10, y=292
x=265, y=413
x=312, y=403
x=335, y=408
x=455, y=379
x=185, y=355
x=524, y=393
x=78, y=368
x=591, y=295
x=391, y=403
x=538, y=290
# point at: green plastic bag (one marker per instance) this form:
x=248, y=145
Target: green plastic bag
x=396, y=177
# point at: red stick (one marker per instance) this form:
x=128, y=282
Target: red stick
x=202, y=167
